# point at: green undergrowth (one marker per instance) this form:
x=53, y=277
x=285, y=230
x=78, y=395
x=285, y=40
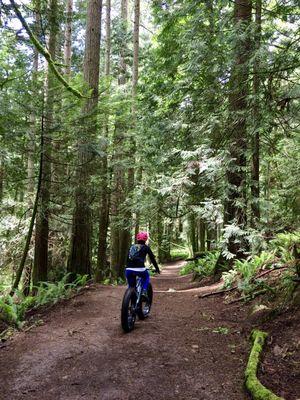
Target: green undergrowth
x=13, y=308
x=179, y=253
x=281, y=253
x=201, y=267
x=114, y=281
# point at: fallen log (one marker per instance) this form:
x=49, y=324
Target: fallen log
x=253, y=385
x=217, y=292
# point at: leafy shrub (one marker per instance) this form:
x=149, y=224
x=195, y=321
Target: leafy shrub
x=229, y=277
x=203, y=266
x=284, y=244
x=9, y=311
x=281, y=251
x=189, y=267
x=13, y=308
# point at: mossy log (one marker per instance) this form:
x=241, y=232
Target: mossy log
x=257, y=390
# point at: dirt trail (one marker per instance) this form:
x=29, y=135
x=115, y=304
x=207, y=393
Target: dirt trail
x=80, y=351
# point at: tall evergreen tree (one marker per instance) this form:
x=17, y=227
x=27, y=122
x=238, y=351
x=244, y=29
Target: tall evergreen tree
x=80, y=251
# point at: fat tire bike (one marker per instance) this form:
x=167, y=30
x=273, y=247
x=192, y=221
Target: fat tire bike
x=135, y=304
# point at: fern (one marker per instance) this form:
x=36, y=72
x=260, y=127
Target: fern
x=13, y=309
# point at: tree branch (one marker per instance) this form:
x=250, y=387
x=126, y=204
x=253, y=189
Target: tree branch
x=44, y=52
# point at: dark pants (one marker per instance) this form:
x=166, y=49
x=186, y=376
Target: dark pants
x=131, y=278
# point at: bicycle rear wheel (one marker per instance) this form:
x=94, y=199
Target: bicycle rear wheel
x=128, y=310
x=145, y=304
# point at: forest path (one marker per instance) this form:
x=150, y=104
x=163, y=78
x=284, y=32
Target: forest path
x=80, y=352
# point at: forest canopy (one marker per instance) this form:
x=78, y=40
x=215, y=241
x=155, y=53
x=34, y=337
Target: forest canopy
x=176, y=117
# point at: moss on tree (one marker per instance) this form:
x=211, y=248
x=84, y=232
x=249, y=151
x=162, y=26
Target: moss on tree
x=40, y=48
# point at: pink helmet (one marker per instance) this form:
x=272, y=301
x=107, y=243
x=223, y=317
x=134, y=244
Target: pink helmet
x=142, y=236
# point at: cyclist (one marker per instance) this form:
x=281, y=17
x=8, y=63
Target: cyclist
x=135, y=265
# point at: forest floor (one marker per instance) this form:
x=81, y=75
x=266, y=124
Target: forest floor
x=188, y=349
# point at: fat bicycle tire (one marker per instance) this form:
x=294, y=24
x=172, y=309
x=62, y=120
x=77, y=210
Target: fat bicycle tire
x=127, y=311
x=145, y=304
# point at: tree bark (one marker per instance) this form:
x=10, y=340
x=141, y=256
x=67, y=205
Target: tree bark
x=1, y=179
x=68, y=39
x=80, y=251
x=119, y=234
x=202, y=234
x=235, y=208
x=31, y=226
x=102, y=267
x=192, y=233
x=31, y=148
x=255, y=187
x=40, y=267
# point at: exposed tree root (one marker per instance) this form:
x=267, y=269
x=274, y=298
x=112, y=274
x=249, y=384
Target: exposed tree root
x=257, y=390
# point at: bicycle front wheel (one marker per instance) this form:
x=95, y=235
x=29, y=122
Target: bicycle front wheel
x=128, y=310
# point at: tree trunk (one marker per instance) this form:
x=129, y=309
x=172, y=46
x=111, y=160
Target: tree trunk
x=139, y=182
x=202, y=234
x=119, y=234
x=68, y=39
x=235, y=209
x=80, y=252
x=31, y=147
x=40, y=267
x=159, y=233
x=102, y=267
x=30, y=229
x=192, y=233
x=255, y=187
x=1, y=178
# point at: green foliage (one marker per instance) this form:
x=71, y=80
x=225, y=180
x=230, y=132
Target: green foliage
x=248, y=268
x=9, y=311
x=222, y=330
x=189, y=267
x=14, y=308
x=178, y=253
x=115, y=282
x=284, y=245
x=180, y=131
x=280, y=252
x=203, y=266
x=229, y=278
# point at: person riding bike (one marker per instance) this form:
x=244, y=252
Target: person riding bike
x=135, y=265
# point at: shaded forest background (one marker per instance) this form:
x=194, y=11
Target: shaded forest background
x=176, y=117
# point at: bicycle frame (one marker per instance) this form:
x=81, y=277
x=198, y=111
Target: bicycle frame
x=138, y=289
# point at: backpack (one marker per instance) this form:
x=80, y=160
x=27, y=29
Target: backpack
x=134, y=252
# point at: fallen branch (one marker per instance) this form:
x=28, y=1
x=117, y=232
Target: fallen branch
x=217, y=292
x=270, y=270
x=257, y=390
x=249, y=296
